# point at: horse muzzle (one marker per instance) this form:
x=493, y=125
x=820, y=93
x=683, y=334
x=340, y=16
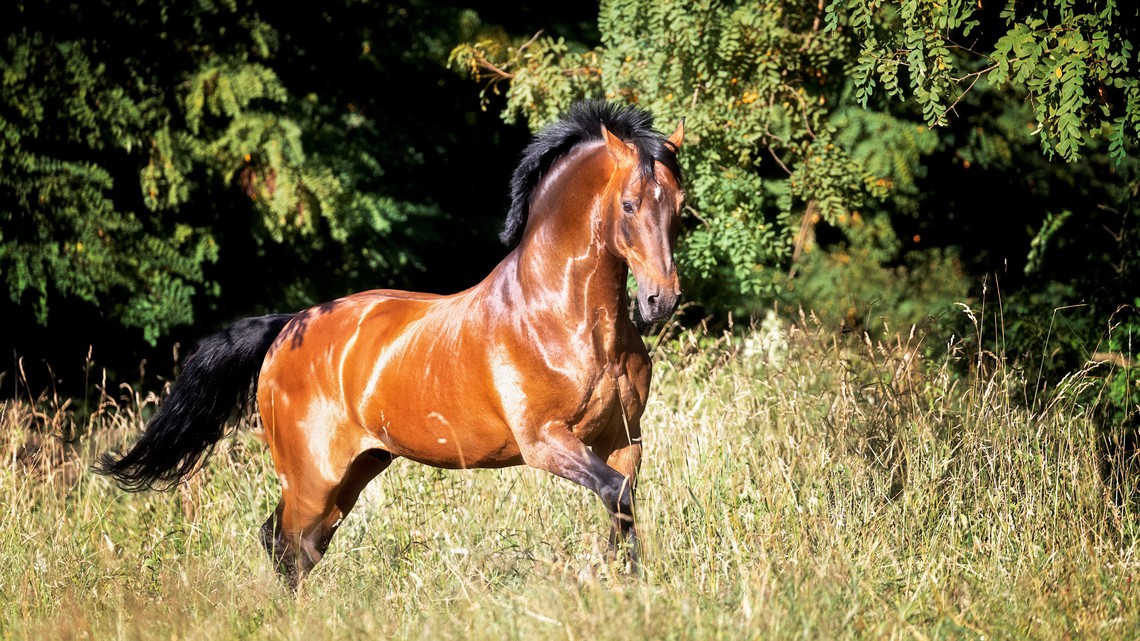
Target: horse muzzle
x=657, y=304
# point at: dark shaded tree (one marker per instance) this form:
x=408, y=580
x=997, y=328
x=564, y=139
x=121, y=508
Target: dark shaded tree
x=166, y=167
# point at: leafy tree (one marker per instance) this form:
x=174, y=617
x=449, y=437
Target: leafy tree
x=76, y=111
x=1073, y=62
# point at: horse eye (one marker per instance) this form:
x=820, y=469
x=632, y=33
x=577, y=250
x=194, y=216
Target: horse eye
x=627, y=206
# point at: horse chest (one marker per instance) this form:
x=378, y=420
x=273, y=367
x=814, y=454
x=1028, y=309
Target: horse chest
x=614, y=400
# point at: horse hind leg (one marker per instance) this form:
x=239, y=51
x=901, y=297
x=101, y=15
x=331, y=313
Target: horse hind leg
x=298, y=532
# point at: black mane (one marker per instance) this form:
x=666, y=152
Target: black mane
x=580, y=124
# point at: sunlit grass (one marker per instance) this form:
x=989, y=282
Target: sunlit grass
x=795, y=485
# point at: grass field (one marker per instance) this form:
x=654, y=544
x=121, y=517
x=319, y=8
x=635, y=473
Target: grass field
x=794, y=486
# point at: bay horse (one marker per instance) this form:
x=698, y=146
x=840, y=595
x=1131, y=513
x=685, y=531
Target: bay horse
x=538, y=364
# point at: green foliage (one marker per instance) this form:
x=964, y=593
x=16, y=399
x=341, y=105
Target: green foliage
x=1037, y=247
x=1121, y=404
x=545, y=73
x=71, y=227
x=139, y=144
x=1074, y=62
x=64, y=229
x=854, y=291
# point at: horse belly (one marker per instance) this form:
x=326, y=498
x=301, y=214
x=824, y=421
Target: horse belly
x=430, y=405
x=441, y=442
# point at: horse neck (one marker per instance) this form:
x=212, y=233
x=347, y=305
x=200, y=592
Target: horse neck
x=562, y=261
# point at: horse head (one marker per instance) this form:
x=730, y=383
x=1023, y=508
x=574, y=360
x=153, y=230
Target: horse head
x=642, y=214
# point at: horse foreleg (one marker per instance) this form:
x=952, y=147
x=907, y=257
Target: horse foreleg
x=625, y=458
x=299, y=531
x=556, y=450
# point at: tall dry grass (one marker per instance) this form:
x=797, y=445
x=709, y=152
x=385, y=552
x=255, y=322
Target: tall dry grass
x=797, y=484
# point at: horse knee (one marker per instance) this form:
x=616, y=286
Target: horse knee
x=618, y=499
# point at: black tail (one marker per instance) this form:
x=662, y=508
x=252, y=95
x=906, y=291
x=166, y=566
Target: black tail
x=215, y=381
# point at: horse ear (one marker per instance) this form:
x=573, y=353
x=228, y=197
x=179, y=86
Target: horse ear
x=677, y=136
x=619, y=150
